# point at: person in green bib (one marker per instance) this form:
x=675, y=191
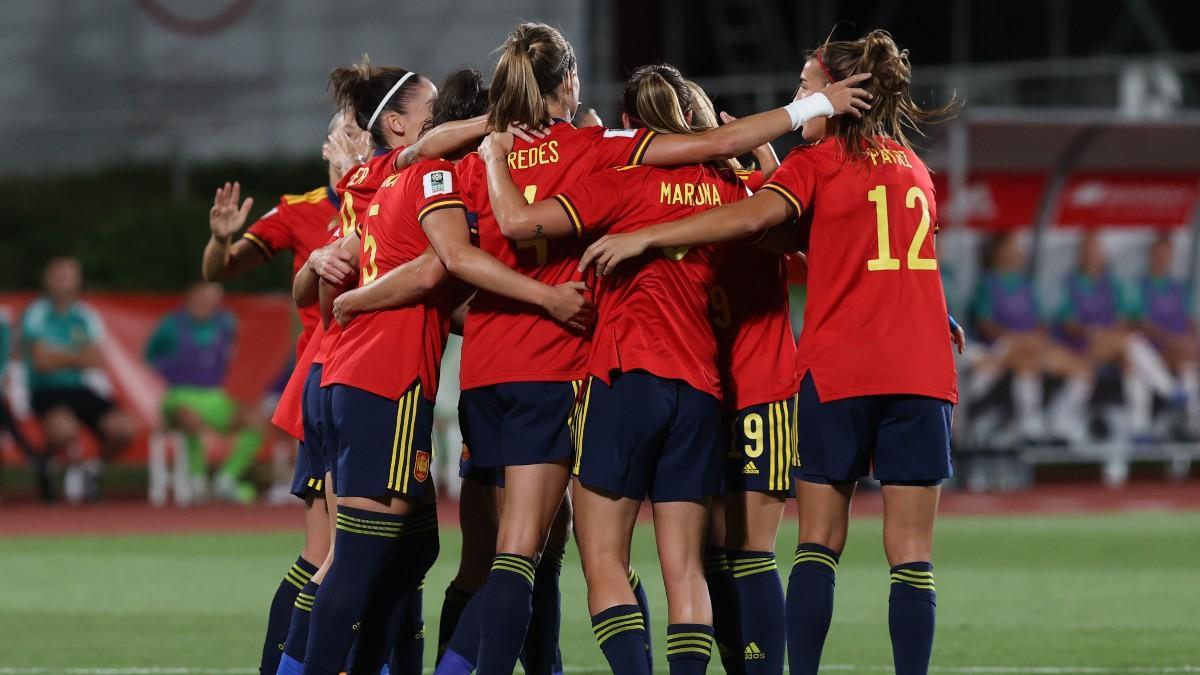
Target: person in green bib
x=61, y=338
x=192, y=349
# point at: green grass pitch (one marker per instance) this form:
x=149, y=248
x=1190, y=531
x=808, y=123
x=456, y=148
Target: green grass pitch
x=1092, y=594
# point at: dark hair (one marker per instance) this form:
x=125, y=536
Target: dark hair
x=360, y=88
x=462, y=96
x=534, y=61
x=659, y=97
x=892, y=108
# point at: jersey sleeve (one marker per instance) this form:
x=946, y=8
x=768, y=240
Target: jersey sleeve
x=595, y=202
x=619, y=147
x=796, y=179
x=271, y=233
x=437, y=189
x=752, y=178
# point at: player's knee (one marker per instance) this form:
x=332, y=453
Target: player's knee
x=60, y=426
x=118, y=428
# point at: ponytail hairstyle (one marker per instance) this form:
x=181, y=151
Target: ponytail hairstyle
x=659, y=98
x=892, y=108
x=462, y=96
x=361, y=89
x=534, y=61
x=704, y=116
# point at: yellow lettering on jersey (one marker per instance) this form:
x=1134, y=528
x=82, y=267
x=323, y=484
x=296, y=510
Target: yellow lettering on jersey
x=886, y=156
x=542, y=153
x=359, y=176
x=391, y=180
x=689, y=194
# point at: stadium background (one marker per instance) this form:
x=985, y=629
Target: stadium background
x=122, y=115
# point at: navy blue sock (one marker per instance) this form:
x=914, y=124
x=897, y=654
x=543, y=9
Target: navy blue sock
x=452, y=610
x=643, y=603
x=541, y=642
x=911, y=610
x=689, y=647
x=504, y=616
x=462, y=653
x=365, y=541
x=622, y=635
x=726, y=612
x=280, y=616
x=760, y=597
x=408, y=653
x=809, y=606
x=297, y=637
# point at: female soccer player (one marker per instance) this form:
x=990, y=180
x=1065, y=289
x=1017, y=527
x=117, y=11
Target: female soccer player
x=877, y=384
x=300, y=223
x=514, y=409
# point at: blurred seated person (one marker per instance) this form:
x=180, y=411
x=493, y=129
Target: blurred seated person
x=8, y=422
x=1166, y=316
x=192, y=349
x=60, y=344
x=1007, y=318
x=1095, y=322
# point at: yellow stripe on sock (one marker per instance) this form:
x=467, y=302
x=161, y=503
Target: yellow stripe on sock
x=358, y=530
x=611, y=620
x=624, y=623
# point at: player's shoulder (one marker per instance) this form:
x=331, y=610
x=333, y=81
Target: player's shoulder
x=313, y=196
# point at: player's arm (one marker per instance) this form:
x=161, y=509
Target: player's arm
x=332, y=262
x=399, y=286
x=737, y=220
x=49, y=359
x=442, y=140
x=764, y=154
x=225, y=258
x=448, y=233
x=743, y=135
x=518, y=219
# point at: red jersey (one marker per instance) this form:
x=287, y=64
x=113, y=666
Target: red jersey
x=508, y=341
x=875, y=319
x=653, y=312
x=756, y=350
x=301, y=224
x=384, y=352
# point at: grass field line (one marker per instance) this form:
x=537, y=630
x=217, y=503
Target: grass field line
x=827, y=668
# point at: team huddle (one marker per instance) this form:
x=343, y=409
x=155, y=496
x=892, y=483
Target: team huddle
x=622, y=298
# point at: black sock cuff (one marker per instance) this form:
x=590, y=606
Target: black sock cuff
x=511, y=563
x=300, y=573
x=715, y=560
x=552, y=555
x=423, y=520
x=689, y=641
x=458, y=596
x=747, y=563
x=372, y=523
x=616, y=620
x=306, y=596
x=817, y=556
x=912, y=577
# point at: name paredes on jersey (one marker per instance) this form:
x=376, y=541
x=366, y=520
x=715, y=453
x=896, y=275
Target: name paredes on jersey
x=688, y=194
x=527, y=158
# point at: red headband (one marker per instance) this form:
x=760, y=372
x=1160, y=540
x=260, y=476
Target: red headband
x=823, y=68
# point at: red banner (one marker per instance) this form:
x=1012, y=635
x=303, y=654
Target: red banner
x=1150, y=200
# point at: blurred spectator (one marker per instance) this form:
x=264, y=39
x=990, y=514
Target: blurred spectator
x=1094, y=321
x=8, y=423
x=192, y=349
x=1167, y=317
x=60, y=343
x=1008, y=319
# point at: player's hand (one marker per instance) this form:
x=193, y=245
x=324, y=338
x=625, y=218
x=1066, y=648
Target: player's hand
x=959, y=337
x=333, y=264
x=569, y=305
x=847, y=98
x=608, y=251
x=345, y=149
x=496, y=146
x=526, y=133
x=225, y=219
x=345, y=307
x=588, y=118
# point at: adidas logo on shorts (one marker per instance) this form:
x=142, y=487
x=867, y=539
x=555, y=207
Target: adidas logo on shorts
x=753, y=653
x=750, y=470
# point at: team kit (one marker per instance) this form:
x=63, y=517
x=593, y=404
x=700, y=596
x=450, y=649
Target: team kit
x=622, y=297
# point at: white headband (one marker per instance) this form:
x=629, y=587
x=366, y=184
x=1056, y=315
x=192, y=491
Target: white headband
x=391, y=92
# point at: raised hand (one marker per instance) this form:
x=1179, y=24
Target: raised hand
x=569, y=305
x=225, y=219
x=846, y=97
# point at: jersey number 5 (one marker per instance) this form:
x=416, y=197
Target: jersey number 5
x=539, y=246
x=885, y=261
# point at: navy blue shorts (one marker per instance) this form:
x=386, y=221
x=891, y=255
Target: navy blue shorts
x=384, y=446
x=761, y=450
x=517, y=423
x=905, y=439
x=309, y=476
x=648, y=436
x=491, y=476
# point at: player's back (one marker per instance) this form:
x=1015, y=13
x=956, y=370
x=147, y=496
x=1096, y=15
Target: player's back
x=875, y=318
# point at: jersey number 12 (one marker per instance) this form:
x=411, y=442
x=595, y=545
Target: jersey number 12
x=884, y=261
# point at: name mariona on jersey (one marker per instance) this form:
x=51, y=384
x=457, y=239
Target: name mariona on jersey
x=688, y=194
